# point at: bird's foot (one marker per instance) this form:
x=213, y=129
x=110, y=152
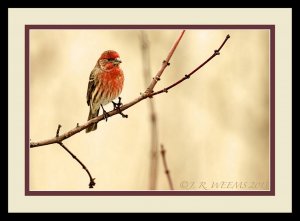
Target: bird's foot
x=106, y=115
x=117, y=107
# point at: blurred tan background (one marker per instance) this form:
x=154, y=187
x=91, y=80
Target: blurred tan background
x=214, y=126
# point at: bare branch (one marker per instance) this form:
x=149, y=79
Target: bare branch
x=153, y=118
x=79, y=128
x=167, y=171
x=165, y=63
x=187, y=76
x=92, y=182
x=143, y=96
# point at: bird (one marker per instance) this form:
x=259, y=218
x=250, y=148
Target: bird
x=105, y=84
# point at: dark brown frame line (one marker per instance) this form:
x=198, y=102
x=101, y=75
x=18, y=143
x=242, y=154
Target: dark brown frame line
x=270, y=192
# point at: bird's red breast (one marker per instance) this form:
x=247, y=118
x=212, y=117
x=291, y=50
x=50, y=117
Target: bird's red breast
x=112, y=80
x=110, y=85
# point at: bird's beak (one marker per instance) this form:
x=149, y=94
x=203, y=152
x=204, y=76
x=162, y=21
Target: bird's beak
x=117, y=61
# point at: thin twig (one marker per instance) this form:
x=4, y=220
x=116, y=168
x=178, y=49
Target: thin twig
x=58, y=129
x=92, y=180
x=153, y=118
x=165, y=63
x=167, y=171
x=187, y=76
x=122, y=108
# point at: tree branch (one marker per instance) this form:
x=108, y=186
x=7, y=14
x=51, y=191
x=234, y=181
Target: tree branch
x=92, y=182
x=167, y=171
x=143, y=96
x=165, y=63
x=153, y=118
x=187, y=76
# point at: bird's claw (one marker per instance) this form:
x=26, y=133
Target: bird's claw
x=117, y=107
x=106, y=115
x=123, y=115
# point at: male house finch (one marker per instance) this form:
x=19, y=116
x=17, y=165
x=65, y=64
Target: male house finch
x=105, y=84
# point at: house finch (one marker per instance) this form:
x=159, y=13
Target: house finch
x=105, y=84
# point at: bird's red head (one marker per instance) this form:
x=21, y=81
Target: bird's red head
x=109, y=59
x=110, y=54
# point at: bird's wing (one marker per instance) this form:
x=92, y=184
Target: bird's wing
x=91, y=86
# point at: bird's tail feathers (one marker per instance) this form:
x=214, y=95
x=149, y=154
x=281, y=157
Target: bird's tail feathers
x=93, y=126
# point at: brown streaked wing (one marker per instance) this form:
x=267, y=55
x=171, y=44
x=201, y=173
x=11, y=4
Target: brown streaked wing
x=91, y=86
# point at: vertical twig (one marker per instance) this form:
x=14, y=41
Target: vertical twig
x=57, y=131
x=153, y=117
x=167, y=171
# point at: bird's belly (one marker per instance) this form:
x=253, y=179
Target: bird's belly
x=108, y=90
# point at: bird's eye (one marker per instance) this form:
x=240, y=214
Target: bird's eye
x=110, y=59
